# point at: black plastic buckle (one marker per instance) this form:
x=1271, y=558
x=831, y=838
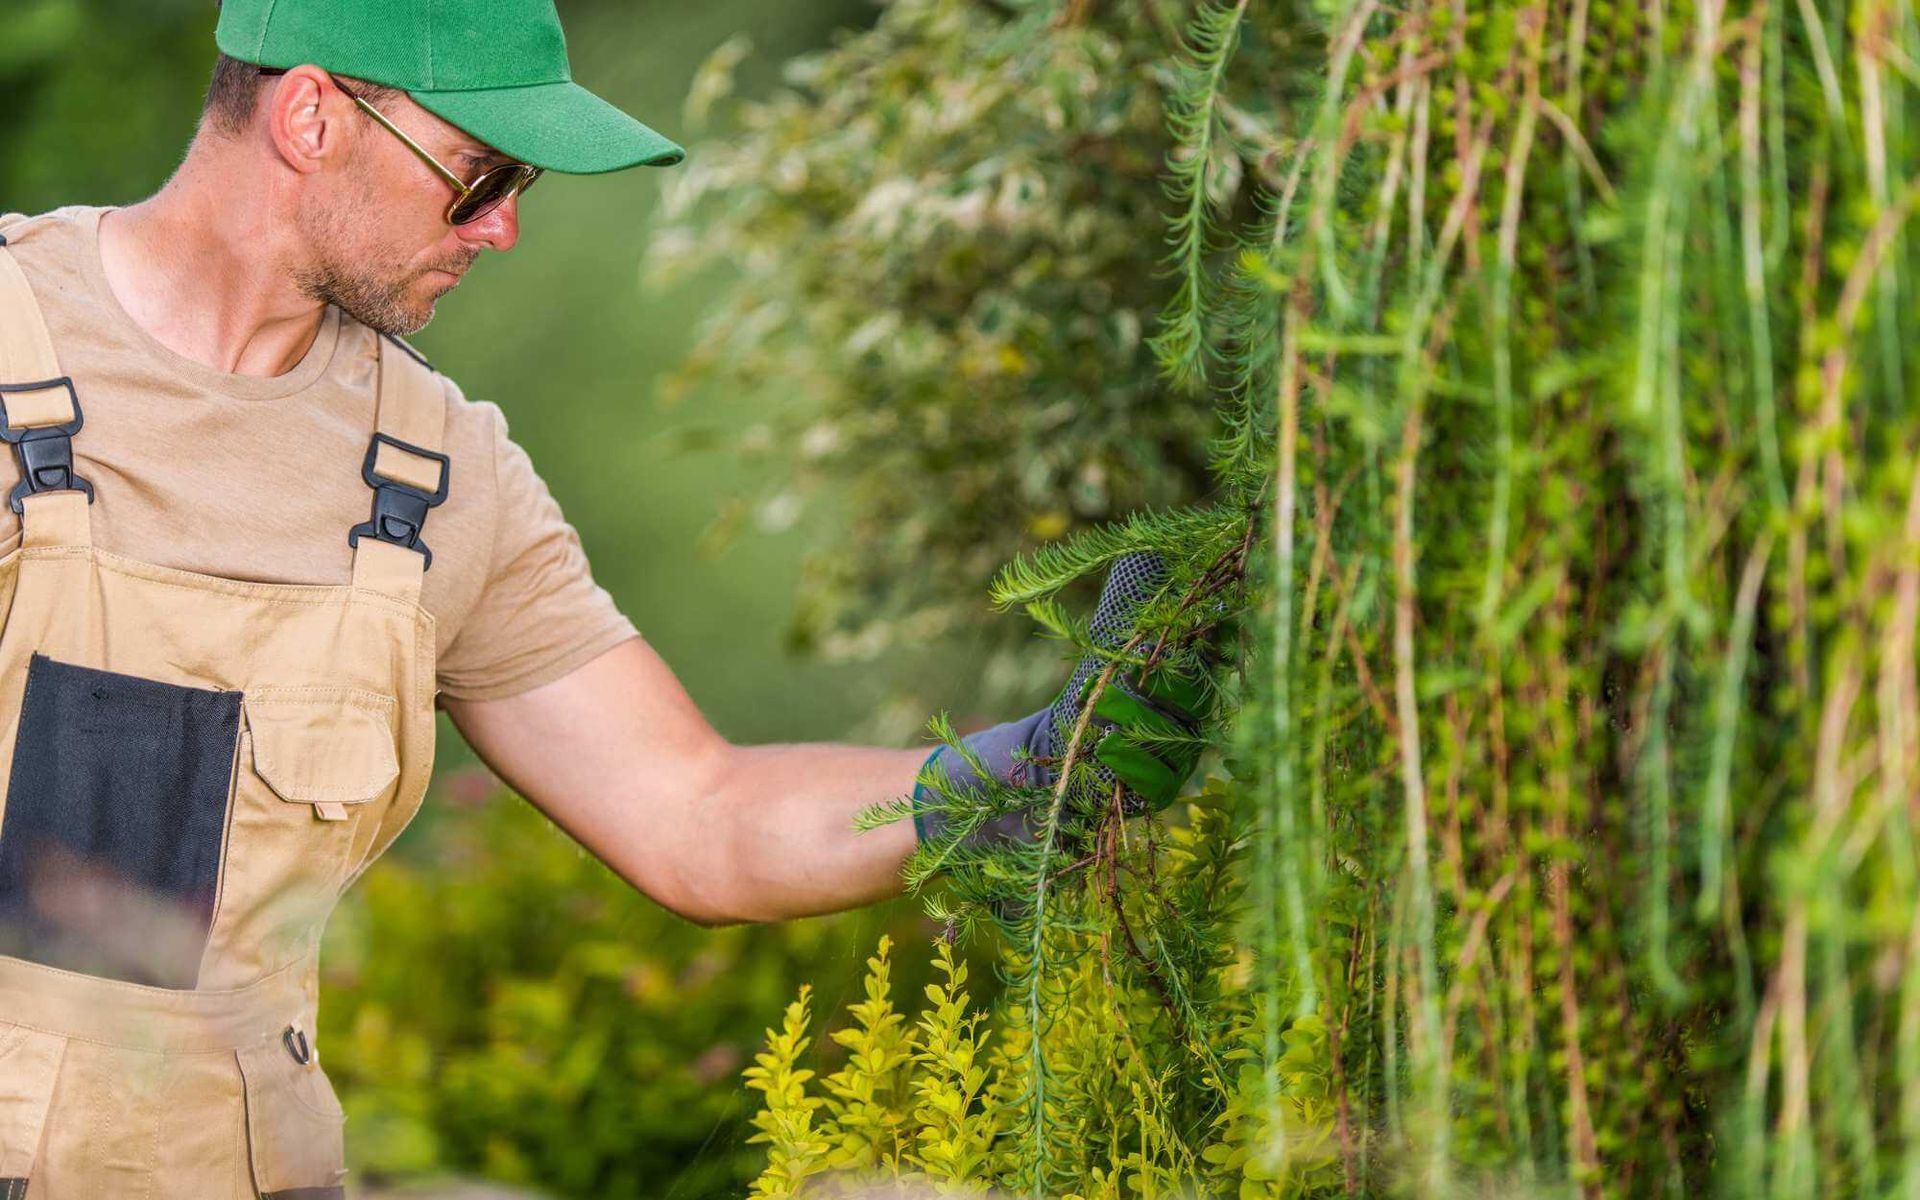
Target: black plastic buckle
x=45, y=452
x=399, y=509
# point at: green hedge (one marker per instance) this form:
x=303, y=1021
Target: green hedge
x=497, y=1002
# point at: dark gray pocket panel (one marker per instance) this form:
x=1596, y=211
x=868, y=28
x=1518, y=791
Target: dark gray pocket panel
x=110, y=850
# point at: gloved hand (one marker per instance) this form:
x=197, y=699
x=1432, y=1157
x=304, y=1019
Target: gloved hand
x=1166, y=704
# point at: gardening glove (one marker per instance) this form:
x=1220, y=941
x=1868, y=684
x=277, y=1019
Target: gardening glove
x=1026, y=752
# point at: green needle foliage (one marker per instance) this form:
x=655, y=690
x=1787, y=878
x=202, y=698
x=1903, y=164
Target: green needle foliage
x=1565, y=511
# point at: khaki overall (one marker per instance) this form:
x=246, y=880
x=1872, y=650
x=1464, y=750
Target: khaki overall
x=194, y=769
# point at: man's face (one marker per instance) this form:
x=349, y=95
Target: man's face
x=379, y=244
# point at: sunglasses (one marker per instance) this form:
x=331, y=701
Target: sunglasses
x=471, y=201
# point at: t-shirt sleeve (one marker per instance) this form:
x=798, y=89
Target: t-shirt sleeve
x=540, y=614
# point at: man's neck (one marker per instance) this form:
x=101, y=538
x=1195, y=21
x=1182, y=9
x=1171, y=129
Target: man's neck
x=201, y=275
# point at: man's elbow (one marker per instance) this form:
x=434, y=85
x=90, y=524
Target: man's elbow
x=692, y=912
x=711, y=918
x=710, y=911
x=709, y=880
x=703, y=890
x=681, y=882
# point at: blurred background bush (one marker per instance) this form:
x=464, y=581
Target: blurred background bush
x=888, y=330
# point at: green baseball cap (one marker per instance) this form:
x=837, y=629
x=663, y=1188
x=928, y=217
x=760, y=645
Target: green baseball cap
x=495, y=68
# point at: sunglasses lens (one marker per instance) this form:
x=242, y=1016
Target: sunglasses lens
x=490, y=191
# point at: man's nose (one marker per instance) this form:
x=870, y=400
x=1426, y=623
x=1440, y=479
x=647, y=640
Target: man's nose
x=498, y=229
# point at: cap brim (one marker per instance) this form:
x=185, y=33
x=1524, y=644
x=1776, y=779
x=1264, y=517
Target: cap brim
x=559, y=126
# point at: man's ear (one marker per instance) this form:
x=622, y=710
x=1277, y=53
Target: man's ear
x=305, y=118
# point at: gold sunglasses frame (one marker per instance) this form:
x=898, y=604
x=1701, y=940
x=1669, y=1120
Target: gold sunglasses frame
x=527, y=174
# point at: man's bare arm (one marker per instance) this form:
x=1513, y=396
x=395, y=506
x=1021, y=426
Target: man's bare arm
x=618, y=755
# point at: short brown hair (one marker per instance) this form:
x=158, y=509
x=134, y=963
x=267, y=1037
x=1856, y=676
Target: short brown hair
x=235, y=89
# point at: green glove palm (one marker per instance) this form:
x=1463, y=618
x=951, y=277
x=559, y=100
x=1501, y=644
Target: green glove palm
x=1151, y=728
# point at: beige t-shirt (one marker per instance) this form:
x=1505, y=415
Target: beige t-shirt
x=257, y=478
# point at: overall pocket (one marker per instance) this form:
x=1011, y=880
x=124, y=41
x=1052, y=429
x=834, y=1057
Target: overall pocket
x=329, y=748
x=295, y=1126
x=115, y=818
x=29, y=1065
x=314, y=763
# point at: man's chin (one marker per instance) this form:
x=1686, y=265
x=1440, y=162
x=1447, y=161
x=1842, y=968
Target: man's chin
x=417, y=324
x=398, y=311
x=390, y=324
x=400, y=316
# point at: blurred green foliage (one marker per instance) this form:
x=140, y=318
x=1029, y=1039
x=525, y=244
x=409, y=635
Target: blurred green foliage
x=513, y=1008
x=99, y=97
x=947, y=235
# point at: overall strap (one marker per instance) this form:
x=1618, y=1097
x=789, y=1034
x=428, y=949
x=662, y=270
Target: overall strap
x=39, y=414
x=407, y=472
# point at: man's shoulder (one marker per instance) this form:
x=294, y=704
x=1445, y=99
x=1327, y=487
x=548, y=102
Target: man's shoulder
x=25, y=231
x=408, y=349
x=480, y=420
x=475, y=429
x=50, y=247
x=461, y=411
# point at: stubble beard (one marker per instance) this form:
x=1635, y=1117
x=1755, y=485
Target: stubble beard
x=338, y=274
x=373, y=302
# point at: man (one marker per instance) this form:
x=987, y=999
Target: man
x=219, y=665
